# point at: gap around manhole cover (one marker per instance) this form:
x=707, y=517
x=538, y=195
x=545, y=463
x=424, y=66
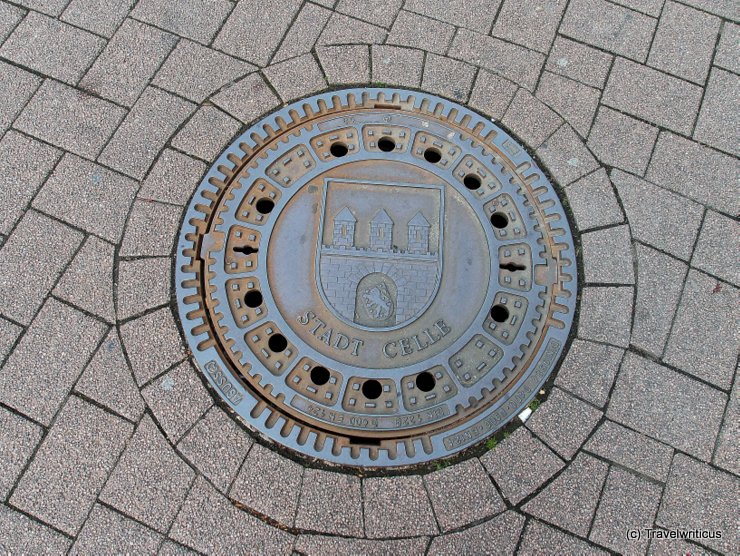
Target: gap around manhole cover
x=376, y=277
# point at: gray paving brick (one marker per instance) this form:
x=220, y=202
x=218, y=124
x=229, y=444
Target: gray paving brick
x=142, y=284
x=700, y=497
x=541, y=22
x=18, y=439
x=152, y=120
x=25, y=535
x=71, y=466
x=320, y=545
x=621, y=141
x=177, y=400
x=727, y=453
x=50, y=7
x=705, y=335
x=724, y=8
x=628, y=502
x=649, y=7
x=206, y=134
x=565, y=155
x=657, y=216
x=492, y=94
x=718, y=235
x=24, y=280
x=476, y=14
x=125, y=67
x=631, y=449
x=511, y=61
x=150, y=481
x=607, y=256
x=195, y=72
x=728, y=50
x=209, y=523
x=10, y=16
x=108, y=380
x=684, y=42
x=589, y=369
x=297, y=77
x=447, y=77
x=70, y=119
x=570, y=500
x=304, y=32
x=539, y=538
x=330, y=503
x=653, y=96
x=52, y=47
x=499, y=535
x=574, y=101
x=151, y=229
x=396, y=66
x=24, y=164
x=171, y=548
x=57, y=344
x=152, y=343
x=173, y=178
x=593, y=202
x=397, y=507
x=247, y=99
x=88, y=281
x=17, y=86
x=345, y=30
x=691, y=169
x=99, y=16
x=87, y=196
x=667, y=406
x=195, y=19
x=462, y=494
x=414, y=30
x=719, y=117
x=261, y=465
x=530, y=119
x=106, y=531
x=606, y=314
x=564, y=422
x=379, y=12
x=613, y=28
x=504, y=464
x=345, y=64
x=216, y=446
x=9, y=333
x=255, y=29
x=579, y=62
x=659, y=283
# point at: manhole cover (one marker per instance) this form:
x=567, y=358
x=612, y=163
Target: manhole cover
x=376, y=277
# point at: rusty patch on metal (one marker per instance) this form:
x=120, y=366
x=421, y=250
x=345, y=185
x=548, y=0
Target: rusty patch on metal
x=376, y=277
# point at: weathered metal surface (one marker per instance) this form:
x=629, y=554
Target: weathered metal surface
x=376, y=277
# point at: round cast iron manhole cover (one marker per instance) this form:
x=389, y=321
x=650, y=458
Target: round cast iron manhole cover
x=376, y=277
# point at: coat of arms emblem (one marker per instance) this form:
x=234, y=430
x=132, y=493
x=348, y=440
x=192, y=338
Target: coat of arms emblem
x=379, y=256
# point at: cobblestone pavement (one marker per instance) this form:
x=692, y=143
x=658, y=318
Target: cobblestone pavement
x=110, y=113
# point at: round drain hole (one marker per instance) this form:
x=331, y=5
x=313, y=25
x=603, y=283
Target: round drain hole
x=386, y=144
x=432, y=155
x=253, y=299
x=499, y=220
x=425, y=381
x=338, y=149
x=372, y=389
x=277, y=343
x=499, y=313
x=359, y=324
x=265, y=206
x=472, y=182
x=320, y=376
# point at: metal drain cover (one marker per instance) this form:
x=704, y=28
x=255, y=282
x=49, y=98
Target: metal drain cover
x=376, y=277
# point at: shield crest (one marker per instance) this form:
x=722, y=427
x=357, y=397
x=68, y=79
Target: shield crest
x=379, y=251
